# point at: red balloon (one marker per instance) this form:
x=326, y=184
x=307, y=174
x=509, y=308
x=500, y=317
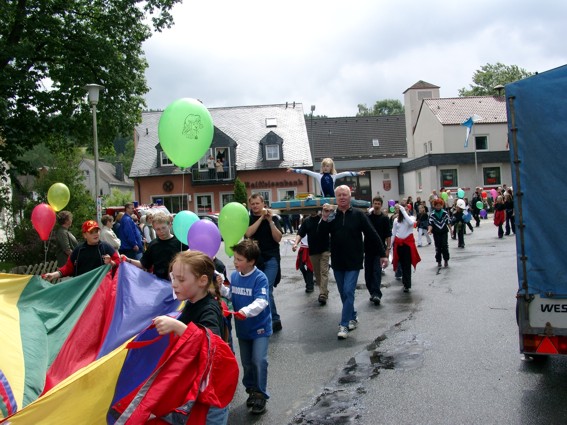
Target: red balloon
x=43, y=220
x=484, y=194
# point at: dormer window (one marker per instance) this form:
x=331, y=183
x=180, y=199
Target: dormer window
x=272, y=152
x=164, y=160
x=271, y=146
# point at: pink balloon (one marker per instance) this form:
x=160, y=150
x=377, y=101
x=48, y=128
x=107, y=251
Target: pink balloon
x=43, y=220
x=204, y=236
x=493, y=193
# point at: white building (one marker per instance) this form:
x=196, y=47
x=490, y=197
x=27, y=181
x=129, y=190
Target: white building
x=437, y=156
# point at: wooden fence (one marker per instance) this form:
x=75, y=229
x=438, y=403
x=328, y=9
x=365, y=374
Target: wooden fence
x=35, y=269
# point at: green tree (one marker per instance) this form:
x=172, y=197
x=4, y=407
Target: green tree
x=240, y=194
x=490, y=76
x=29, y=249
x=118, y=197
x=381, y=107
x=50, y=49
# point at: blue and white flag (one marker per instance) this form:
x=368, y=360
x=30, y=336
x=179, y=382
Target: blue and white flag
x=469, y=124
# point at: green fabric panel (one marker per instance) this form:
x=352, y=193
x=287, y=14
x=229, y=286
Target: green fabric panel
x=48, y=313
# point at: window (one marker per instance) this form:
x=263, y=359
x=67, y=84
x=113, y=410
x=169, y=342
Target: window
x=271, y=122
x=204, y=204
x=491, y=176
x=359, y=186
x=449, y=178
x=375, y=142
x=173, y=203
x=226, y=198
x=419, y=180
x=267, y=195
x=272, y=152
x=271, y=147
x=425, y=147
x=203, y=161
x=481, y=143
x=286, y=194
x=164, y=160
x=430, y=146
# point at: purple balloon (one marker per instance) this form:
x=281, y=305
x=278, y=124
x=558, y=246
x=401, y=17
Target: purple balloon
x=483, y=213
x=391, y=203
x=204, y=236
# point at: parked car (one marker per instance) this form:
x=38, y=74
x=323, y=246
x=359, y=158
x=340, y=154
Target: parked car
x=212, y=217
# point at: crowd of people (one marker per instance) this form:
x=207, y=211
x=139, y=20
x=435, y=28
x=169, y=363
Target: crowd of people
x=337, y=237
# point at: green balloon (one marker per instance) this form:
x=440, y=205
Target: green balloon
x=392, y=209
x=444, y=196
x=182, y=222
x=460, y=194
x=185, y=131
x=233, y=223
x=479, y=205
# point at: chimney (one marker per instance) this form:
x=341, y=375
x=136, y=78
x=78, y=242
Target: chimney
x=119, y=171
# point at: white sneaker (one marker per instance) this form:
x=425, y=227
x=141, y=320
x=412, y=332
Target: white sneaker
x=352, y=324
x=343, y=332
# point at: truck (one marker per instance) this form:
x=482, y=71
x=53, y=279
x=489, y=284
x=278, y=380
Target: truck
x=537, y=136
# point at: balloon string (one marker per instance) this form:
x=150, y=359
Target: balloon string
x=46, y=248
x=182, y=199
x=183, y=187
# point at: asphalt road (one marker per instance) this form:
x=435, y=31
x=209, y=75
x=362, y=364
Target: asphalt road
x=447, y=353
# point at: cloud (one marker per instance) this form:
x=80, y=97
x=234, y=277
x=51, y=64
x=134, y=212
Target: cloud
x=337, y=54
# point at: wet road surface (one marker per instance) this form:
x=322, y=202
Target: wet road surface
x=446, y=353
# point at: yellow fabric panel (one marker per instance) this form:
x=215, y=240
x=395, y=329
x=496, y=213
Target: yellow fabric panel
x=83, y=398
x=11, y=353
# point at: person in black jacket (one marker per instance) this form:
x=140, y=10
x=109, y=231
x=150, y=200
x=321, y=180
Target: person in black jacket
x=319, y=252
x=347, y=250
x=372, y=267
x=477, y=197
x=264, y=227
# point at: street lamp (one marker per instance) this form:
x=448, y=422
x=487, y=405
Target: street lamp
x=93, y=91
x=311, y=142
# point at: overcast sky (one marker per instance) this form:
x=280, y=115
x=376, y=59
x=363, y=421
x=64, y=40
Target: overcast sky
x=337, y=54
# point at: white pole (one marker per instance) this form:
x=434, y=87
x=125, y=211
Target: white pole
x=97, y=194
x=475, y=160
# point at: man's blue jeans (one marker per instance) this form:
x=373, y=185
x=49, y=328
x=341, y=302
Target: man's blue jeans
x=254, y=359
x=270, y=269
x=373, y=274
x=346, y=284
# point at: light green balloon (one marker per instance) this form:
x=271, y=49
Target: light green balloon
x=58, y=196
x=185, y=131
x=233, y=223
x=444, y=196
x=182, y=222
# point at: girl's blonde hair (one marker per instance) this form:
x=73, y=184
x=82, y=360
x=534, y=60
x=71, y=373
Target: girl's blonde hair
x=329, y=161
x=200, y=265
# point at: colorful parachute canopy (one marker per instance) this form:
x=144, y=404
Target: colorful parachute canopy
x=64, y=346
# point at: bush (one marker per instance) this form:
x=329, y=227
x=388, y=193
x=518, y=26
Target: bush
x=28, y=248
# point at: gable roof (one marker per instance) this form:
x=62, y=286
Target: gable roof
x=350, y=138
x=246, y=125
x=456, y=110
x=107, y=172
x=420, y=85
